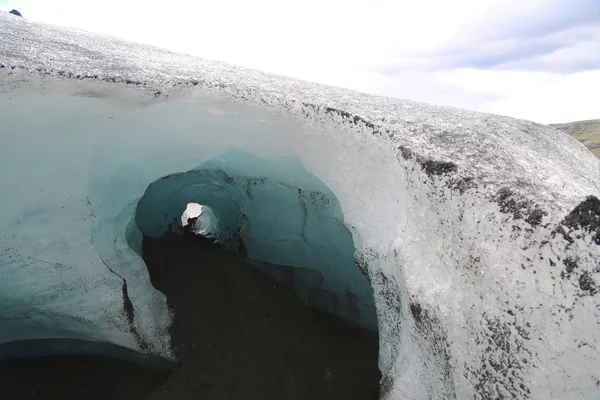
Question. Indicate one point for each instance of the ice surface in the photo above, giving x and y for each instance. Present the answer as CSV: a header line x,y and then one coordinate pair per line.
x,y
479,233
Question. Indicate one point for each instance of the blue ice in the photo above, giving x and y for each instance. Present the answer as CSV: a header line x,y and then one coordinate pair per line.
x,y
80,185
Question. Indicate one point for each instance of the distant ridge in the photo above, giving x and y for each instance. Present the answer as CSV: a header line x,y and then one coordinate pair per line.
x,y
587,132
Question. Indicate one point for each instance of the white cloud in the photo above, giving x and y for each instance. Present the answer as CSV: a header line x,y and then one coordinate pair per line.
x,y
531,59
539,96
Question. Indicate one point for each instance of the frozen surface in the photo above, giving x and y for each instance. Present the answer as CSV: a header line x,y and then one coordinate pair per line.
x,y
480,234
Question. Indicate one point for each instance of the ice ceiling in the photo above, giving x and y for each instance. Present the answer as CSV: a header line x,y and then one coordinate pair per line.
x,y
479,234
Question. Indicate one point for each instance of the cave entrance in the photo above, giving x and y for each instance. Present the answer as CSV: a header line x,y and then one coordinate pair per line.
x,y
239,333
260,276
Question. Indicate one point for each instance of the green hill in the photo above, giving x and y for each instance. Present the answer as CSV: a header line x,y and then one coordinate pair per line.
x,y
587,132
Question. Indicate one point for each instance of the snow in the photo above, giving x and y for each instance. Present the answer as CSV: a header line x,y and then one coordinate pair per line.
x,y
484,269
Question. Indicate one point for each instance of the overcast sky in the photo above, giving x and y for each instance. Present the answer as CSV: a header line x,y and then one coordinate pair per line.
x,y
532,59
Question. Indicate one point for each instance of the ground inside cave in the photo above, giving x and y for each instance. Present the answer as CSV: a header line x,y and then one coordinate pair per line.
x,y
237,333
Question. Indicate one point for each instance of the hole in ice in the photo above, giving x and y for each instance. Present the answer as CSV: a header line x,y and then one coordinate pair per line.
x,y
200,220
277,216
260,275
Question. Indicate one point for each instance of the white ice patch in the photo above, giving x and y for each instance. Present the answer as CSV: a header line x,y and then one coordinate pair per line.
x,y
207,224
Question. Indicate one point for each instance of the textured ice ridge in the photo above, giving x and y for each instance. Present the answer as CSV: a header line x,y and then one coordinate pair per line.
x,y
480,234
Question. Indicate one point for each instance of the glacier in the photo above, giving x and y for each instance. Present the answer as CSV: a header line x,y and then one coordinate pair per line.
x,y
470,241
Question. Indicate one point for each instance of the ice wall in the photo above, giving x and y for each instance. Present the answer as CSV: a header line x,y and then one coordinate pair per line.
x,y
479,233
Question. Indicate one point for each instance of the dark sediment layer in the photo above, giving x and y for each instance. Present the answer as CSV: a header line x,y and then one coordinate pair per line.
x,y
237,333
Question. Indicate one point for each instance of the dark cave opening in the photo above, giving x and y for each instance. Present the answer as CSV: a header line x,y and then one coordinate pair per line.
x,y
239,333
285,221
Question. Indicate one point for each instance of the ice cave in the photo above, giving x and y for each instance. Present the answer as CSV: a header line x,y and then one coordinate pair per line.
x,y
470,242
